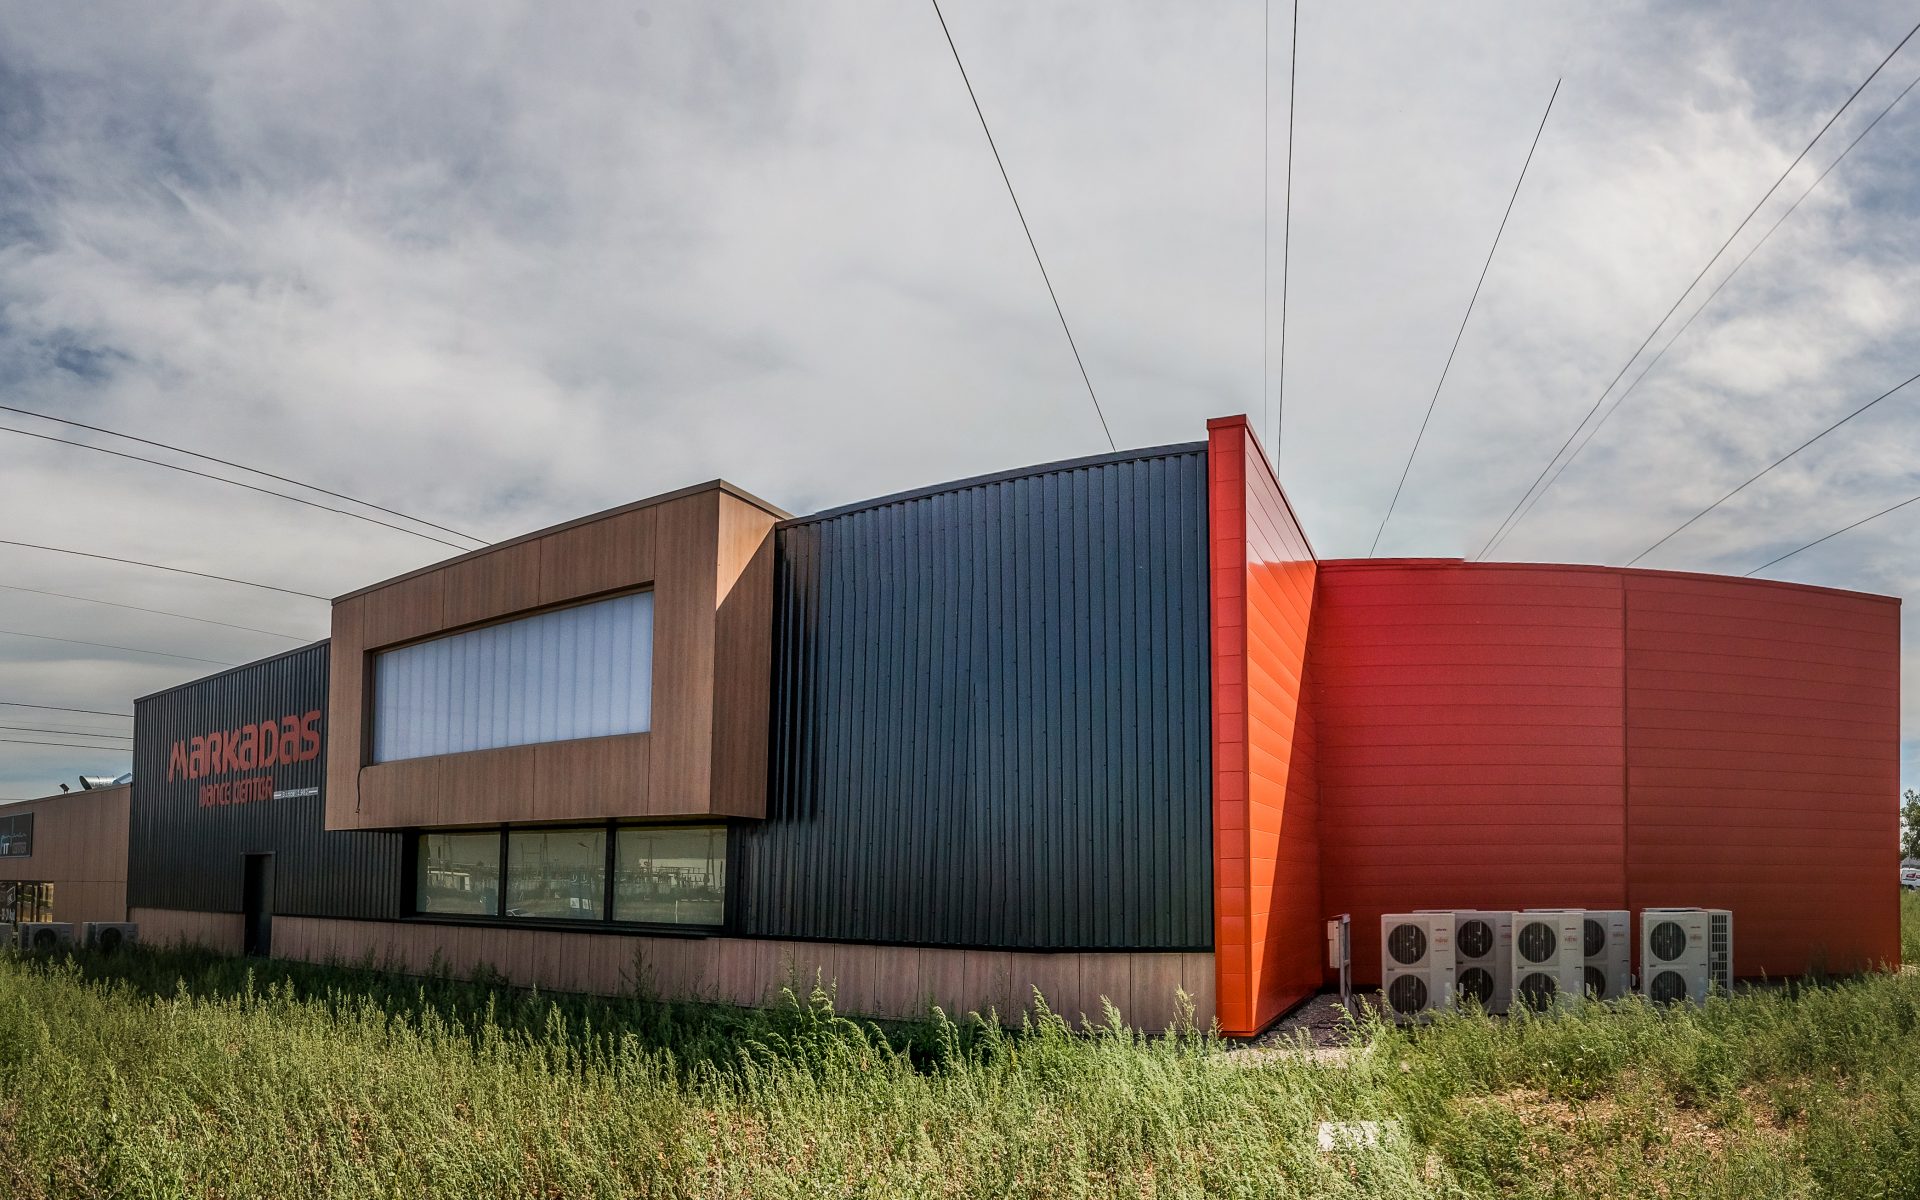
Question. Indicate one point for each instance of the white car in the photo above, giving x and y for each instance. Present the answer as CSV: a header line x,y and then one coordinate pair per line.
x,y
1910,878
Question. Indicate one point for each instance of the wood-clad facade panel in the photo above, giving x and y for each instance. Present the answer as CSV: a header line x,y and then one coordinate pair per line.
x,y
705,553
79,845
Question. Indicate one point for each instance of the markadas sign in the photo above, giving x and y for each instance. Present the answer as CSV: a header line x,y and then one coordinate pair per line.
x,y
248,748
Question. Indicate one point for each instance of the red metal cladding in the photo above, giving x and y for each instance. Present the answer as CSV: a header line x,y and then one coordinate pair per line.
x,y
1471,740
1763,732
1509,736
1267,901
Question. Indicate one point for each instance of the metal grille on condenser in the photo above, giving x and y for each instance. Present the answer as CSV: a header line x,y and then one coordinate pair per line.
x,y
1407,944
1476,983
1475,939
1538,990
1596,982
1667,987
1596,938
1537,941
1668,941
1407,994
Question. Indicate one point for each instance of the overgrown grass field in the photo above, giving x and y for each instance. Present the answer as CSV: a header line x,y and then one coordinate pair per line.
x,y
183,1074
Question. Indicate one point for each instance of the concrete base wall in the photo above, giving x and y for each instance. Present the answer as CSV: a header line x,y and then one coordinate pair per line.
x,y
877,981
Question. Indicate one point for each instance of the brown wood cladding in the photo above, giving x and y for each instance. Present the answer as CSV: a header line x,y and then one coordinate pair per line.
x,y
707,555
80,847
878,981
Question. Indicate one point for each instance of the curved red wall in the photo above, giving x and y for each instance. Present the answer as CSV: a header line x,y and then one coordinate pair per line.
x,y
1506,736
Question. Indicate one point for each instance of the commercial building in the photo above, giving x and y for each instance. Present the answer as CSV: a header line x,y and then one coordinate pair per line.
x,y
1106,728
64,857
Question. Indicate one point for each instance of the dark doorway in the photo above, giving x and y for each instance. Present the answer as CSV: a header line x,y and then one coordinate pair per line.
x,y
257,940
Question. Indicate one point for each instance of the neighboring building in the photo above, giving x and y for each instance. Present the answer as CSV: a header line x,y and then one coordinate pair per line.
x,y
64,857
1104,727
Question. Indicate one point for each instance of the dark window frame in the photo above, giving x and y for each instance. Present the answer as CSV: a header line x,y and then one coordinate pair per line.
x,y
604,923
16,829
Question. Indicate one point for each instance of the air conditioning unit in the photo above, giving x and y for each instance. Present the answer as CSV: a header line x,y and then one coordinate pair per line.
x,y
1483,957
1416,962
1549,960
109,936
45,935
1608,945
1685,953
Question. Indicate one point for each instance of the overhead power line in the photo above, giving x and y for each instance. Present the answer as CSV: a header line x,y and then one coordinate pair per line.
x,y
312,487
94,712
1464,318
1025,228
67,745
1770,466
1704,305
1685,292
1836,533
92,733
46,437
159,612
267,587
41,637
1286,238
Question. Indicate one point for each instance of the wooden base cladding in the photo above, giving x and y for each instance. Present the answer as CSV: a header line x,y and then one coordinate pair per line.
x,y
877,981
175,927
706,554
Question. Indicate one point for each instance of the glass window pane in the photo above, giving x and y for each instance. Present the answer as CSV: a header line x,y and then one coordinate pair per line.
x,y
671,876
459,873
578,672
557,873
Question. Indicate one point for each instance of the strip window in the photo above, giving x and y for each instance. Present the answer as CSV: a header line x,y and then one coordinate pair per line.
x,y
671,876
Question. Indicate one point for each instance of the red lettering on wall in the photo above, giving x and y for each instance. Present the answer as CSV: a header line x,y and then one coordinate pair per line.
x,y
250,747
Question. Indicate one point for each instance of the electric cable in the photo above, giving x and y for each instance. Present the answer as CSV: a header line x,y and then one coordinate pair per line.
x,y
159,612
41,637
1836,533
60,708
92,733
66,745
95,712
47,437
312,487
1678,301
1286,238
1688,324
1019,212
1770,466
267,587
1464,318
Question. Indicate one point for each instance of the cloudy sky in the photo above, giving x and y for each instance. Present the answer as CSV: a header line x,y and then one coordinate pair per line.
x,y
501,265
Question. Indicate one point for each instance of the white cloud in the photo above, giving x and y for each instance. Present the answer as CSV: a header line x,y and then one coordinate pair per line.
x,y
502,264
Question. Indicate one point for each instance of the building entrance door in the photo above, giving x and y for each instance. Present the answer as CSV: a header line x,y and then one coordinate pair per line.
x,y
257,937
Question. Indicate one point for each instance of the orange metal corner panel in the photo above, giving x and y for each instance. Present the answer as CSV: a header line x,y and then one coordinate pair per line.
x,y
1266,831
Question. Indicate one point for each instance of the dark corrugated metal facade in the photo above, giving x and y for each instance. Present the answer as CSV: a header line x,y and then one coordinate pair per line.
x,y
990,716
188,855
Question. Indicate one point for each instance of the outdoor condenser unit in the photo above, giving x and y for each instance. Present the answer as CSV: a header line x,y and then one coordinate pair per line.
x,y
1685,953
1549,963
1416,962
45,935
1608,945
1483,957
109,936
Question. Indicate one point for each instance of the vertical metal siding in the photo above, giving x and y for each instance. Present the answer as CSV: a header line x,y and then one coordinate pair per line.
x,y
990,716
183,856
